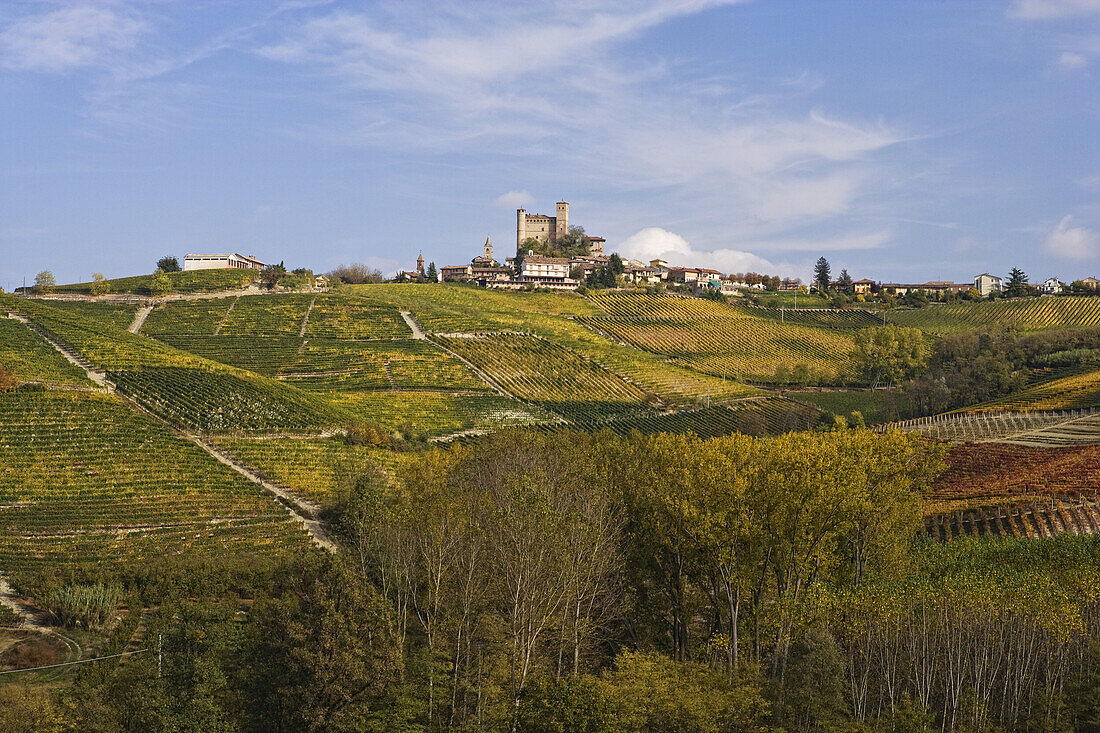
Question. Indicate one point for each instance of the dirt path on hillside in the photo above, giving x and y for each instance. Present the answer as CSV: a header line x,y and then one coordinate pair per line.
x,y
305,321
8,599
139,318
97,376
418,333
304,510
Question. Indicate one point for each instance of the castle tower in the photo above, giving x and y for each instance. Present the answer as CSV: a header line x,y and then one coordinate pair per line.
x,y
487,250
561,223
420,264
521,227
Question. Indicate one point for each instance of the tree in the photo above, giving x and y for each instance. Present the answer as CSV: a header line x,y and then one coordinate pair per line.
x,y
844,282
168,263
889,354
1017,286
821,274
615,264
433,274
160,284
322,648
99,284
44,282
355,274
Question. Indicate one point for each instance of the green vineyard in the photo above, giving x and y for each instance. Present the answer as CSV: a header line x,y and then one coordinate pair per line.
x,y
191,281
751,417
196,399
1024,314
86,481
31,359
535,369
1067,393
116,314
436,414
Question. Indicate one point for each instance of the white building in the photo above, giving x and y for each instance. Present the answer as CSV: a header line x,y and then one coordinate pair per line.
x,y
221,262
546,272
1053,286
986,284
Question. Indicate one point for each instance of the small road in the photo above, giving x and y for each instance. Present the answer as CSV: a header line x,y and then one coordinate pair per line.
x,y
139,318
31,620
418,333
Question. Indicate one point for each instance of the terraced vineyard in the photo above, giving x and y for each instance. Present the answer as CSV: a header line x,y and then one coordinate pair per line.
x,y
313,468
752,417
197,399
85,480
1051,428
349,317
187,317
264,315
191,281
116,314
647,305
540,371
1024,314
31,359
1032,521
982,474
820,317
435,414
1079,391
741,348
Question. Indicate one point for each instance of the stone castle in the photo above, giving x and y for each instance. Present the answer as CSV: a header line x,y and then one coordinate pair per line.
x,y
549,229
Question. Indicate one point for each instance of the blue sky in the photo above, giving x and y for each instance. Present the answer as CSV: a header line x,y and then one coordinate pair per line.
x,y
902,140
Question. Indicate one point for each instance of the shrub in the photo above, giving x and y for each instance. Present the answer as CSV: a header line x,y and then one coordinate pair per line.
x,y
160,285
88,606
44,282
99,285
369,434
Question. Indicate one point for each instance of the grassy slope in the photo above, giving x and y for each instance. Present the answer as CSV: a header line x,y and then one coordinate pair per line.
x,y
194,281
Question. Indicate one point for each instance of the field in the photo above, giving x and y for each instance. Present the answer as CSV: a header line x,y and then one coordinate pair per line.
x,y
193,281
874,406
1024,314
85,480
751,416
31,359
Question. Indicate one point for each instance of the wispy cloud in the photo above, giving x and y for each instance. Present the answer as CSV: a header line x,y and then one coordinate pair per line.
x,y
514,200
1071,60
68,38
1052,9
657,243
1075,243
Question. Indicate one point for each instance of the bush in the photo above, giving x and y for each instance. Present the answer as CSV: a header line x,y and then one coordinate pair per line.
x,y
356,273
99,285
89,606
369,434
168,263
160,285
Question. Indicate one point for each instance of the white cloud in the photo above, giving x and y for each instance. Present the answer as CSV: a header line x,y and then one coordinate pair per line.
x,y
67,38
1075,243
514,200
1052,9
657,243
1069,60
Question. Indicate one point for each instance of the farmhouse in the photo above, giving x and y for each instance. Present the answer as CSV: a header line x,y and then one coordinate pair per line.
x,y
986,284
863,287
1091,283
221,262
1052,286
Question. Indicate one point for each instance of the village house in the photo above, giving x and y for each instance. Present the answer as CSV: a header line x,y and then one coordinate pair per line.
x,y
221,262
863,287
1052,286
932,286
1091,283
986,284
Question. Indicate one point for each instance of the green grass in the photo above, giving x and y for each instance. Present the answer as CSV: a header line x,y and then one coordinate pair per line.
x,y
32,359
1023,314
193,281
85,481
872,405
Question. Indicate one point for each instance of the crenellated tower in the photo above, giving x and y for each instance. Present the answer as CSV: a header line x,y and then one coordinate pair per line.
x,y
561,227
